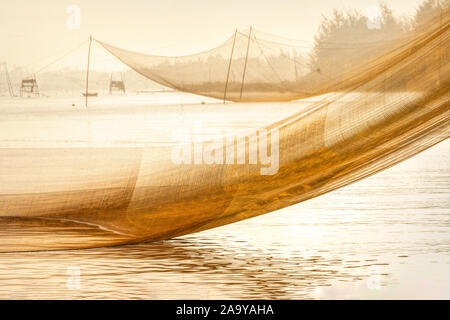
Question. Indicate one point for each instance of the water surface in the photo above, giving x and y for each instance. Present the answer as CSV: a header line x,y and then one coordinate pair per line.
x,y
387,236
384,237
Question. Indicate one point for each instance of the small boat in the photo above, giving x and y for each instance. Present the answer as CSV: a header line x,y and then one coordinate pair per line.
x,y
90,94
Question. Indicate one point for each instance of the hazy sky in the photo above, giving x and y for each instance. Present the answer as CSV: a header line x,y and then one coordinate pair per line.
x,y
35,32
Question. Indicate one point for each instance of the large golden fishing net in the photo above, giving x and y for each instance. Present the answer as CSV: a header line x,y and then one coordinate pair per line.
x,y
108,183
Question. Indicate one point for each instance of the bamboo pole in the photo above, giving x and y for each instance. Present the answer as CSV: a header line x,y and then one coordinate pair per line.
x,y
295,65
87,70
8,80
245,65
229,67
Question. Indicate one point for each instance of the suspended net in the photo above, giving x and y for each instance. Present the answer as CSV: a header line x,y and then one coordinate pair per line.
x,y
243,68
252,66
257,66
106,179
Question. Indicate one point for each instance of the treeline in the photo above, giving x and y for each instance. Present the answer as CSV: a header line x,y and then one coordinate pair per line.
x,y
350,38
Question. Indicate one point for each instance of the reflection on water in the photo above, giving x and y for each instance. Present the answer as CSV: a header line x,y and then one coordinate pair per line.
x,y
385,237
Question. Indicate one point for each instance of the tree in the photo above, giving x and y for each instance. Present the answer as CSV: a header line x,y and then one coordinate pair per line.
x,y
347,39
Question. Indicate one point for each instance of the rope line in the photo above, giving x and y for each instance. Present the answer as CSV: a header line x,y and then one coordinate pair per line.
x,y
61,57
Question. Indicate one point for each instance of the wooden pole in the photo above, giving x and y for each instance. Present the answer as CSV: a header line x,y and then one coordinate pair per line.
x,y
8,80
229,67
87,70
295,65
35,84
110,84
245,65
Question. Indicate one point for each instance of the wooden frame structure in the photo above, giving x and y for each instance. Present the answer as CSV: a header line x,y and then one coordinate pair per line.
x,y
29,86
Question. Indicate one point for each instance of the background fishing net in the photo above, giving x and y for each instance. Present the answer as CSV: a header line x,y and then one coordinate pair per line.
x,y
256,66
243,68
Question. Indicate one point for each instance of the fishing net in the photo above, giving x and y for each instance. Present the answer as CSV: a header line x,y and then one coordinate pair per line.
x,y
110,178
256,66
245,67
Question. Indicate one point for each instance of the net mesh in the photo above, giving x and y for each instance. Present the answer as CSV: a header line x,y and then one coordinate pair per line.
x,y
126,183
256,66
243,68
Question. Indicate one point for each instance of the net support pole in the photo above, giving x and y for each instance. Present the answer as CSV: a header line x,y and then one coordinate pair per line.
x,y
87,70
245,64
229,67
8,79
295,65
